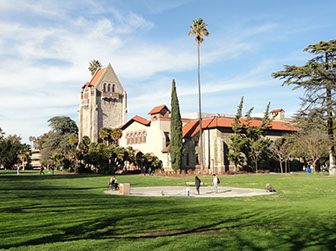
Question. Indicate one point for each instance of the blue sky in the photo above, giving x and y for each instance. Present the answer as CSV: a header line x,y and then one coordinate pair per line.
x,y
46,46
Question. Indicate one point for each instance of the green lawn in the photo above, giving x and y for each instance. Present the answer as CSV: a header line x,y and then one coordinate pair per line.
x,y
71,212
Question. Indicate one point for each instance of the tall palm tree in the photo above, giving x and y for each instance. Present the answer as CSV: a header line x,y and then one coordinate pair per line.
x,y
94,65
199,29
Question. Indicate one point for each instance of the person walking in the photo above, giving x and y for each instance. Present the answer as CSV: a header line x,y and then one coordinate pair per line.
x,y
18,170
41,170
197,184
215,182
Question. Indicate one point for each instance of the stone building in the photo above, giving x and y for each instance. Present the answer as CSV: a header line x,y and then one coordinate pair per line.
x,y
103,103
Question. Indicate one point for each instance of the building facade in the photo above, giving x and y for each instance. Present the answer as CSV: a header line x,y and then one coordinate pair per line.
x,y
103,103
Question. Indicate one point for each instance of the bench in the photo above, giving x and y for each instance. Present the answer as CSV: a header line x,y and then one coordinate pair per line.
x,y
193,183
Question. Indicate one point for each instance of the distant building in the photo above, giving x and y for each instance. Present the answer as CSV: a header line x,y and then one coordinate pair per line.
x,y
103,103
153,136
35,158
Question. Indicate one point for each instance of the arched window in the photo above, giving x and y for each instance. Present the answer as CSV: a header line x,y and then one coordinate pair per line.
x,y
104,87
144,136
128,139
140,137
132,139
135,138
109,87
113,88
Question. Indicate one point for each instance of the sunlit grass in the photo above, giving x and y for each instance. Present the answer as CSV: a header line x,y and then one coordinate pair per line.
x,y
71,212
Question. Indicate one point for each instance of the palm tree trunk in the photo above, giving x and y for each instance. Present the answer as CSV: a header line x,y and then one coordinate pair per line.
x,y
200,110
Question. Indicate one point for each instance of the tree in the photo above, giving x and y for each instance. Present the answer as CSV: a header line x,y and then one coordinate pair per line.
x,y
248,143
58,159
9,148
199,29
176,144
279,150
24,154
318,78
115,135
73,140
57,140
105,134
311,144
94,65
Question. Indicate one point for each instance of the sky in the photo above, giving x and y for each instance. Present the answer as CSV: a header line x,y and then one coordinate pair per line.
x,y
46,47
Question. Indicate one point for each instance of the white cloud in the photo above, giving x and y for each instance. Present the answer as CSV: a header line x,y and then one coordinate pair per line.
x,y
42,67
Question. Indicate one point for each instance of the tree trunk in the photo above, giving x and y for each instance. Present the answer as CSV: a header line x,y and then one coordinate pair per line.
x,y
332,161
286,166
281,166
200,110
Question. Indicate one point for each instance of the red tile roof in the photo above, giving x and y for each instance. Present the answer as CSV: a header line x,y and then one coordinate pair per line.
x,y
277,110
192,128
137,119
158,109
95,78
165,150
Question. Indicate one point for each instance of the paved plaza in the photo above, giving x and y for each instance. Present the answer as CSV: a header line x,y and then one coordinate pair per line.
x,y
184,191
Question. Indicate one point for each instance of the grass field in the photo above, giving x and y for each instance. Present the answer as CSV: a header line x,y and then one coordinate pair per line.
x,y
71,212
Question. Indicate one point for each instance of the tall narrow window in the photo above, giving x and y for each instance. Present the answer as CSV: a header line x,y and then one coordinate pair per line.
x,y
144,137
132,139
128,139
135,138
104,87
113,88
109,88
140,137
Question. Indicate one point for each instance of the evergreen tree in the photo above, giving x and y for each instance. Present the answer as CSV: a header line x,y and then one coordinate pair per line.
x,y
318,78
248,143
176,144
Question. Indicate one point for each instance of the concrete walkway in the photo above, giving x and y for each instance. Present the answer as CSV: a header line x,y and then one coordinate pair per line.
x,y
182,191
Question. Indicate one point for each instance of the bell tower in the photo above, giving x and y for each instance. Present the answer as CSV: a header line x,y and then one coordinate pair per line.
x,y
103,103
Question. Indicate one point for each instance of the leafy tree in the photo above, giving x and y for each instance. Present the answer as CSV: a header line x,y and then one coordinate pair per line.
x,y
58,159
94,65
318,78
176,144
24,154
1,134
63,125
249,144
73,140
9,148
199,29
57,140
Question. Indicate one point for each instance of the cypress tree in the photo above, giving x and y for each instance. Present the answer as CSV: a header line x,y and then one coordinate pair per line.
x,y
176,144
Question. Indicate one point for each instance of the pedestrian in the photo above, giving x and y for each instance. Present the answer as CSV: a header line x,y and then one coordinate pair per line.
x,y
41,170
215,182
18,170
197,184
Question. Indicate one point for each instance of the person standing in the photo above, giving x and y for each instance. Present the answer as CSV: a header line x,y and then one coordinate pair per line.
x,y
18,170
215,182
197,184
